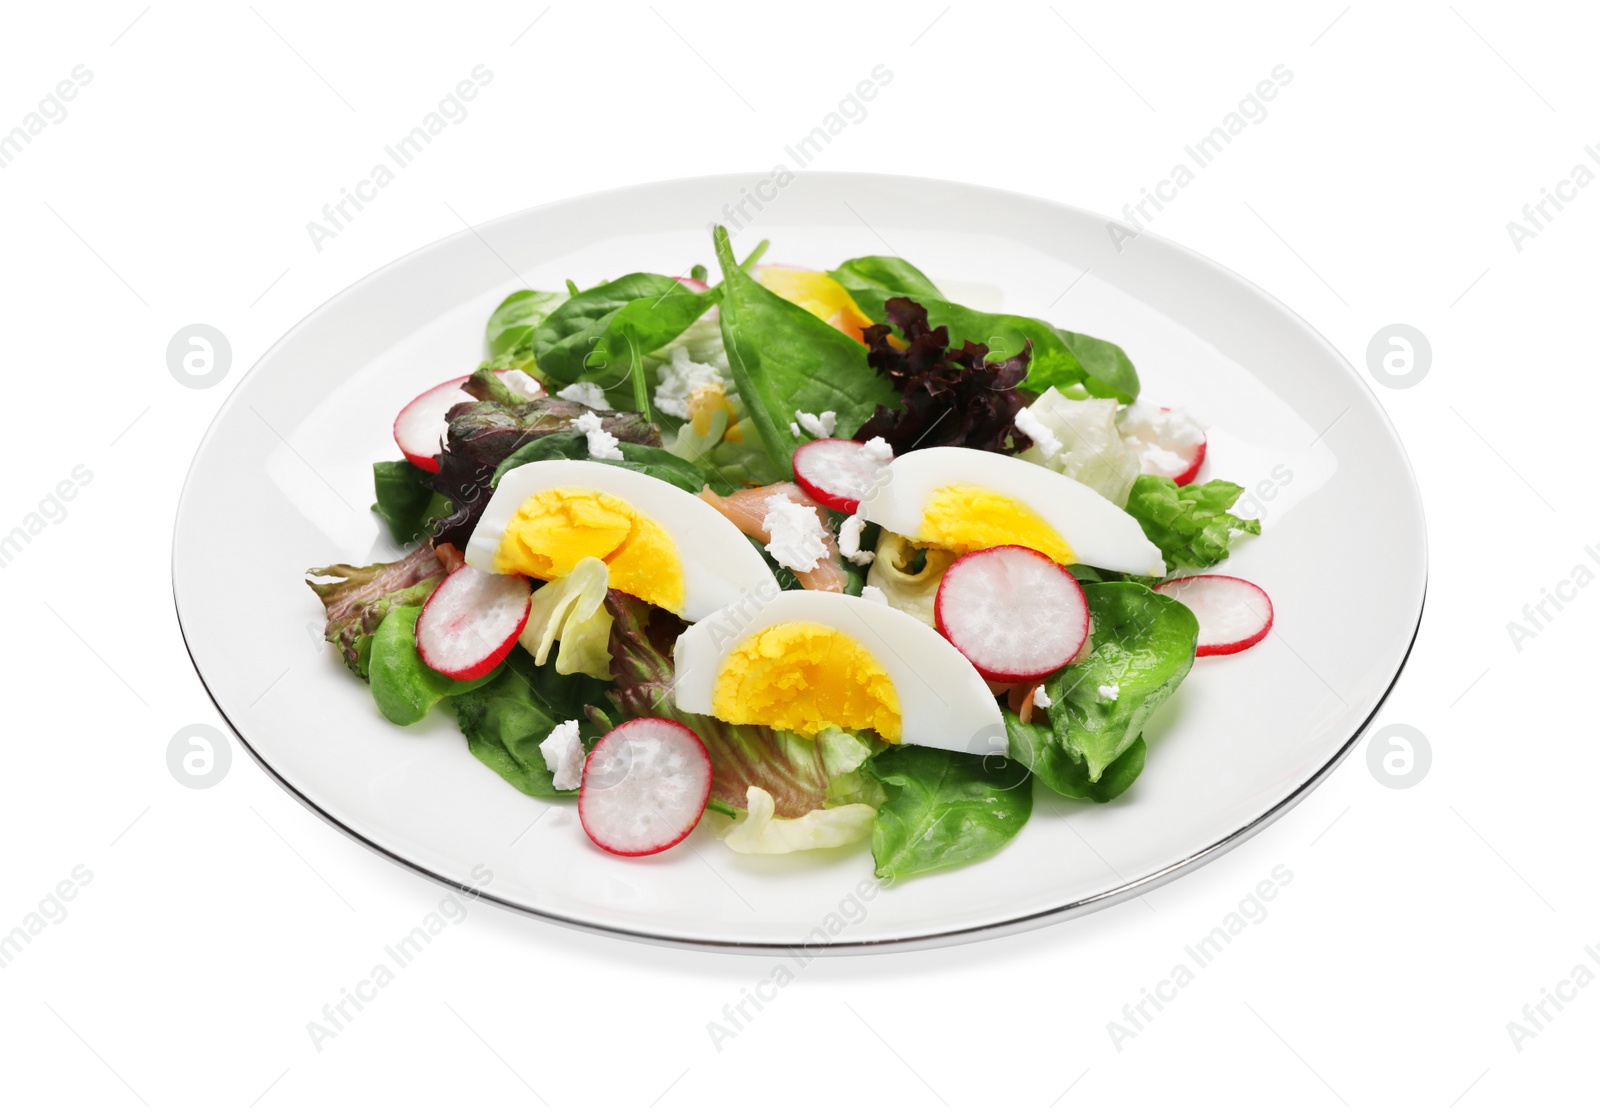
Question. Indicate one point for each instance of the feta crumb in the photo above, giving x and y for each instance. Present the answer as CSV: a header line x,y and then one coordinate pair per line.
x,y
563,754
1109,692
521,383
817,425
850,541
797,536
589,394
680,376
794,428
1044,440
873,593
602,446
1041,699
879,450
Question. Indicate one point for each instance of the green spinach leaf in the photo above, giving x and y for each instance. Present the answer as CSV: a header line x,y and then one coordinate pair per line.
x,y
404,499
1034,746
1191,524
506,720
509,334
404,687
601,333
1143,646
945,808
873,280
651,460
785,359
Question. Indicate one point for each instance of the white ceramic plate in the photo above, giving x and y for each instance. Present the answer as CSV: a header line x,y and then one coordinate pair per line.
x,y
282,482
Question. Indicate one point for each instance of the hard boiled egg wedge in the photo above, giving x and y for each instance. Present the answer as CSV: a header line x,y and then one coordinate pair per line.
x,y
659,543
801,661
966,499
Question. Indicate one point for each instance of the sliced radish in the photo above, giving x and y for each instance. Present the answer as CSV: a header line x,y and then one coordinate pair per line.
x,y
837,472
472,621
1234,614
645,786
696,285
1013,612
421,426
1167,441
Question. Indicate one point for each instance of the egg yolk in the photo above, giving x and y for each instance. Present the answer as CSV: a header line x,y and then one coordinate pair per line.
x,y
555,529
965,517
819,294
803,677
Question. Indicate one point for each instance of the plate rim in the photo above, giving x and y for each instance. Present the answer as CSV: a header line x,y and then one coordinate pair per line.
x,y
901,943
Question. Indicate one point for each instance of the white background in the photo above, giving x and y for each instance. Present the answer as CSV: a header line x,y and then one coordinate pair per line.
x,y
1377,190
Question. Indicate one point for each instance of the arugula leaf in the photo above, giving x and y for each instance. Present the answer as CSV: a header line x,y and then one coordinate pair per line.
x,y
1191,524
950,808
599,334
506,720
404,687
405,499
509,334
357,598
1143,643
1061,358
649,459
1034,746
785,359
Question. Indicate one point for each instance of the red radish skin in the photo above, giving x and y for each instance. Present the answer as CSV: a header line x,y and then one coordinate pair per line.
x,y
696,285
645,787
472,620
1014,613
836,472
1185,439
421,425
1234,614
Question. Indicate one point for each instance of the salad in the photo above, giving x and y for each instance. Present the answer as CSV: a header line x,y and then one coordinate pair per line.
x,y
820,554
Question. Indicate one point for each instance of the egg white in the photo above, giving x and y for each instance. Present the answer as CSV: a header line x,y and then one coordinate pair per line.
x,y
720,565
944,703
1100,533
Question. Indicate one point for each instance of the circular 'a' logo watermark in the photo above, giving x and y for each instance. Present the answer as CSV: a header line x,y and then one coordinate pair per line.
x,y
199,756
199,356
1398,756
1399,356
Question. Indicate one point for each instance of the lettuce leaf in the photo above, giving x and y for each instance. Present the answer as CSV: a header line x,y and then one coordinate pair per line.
x,y
506,720
1092,449
784,358
509,334
572,610
945,808
762,832
894,572
404,687
357,598
1191,524
1144,644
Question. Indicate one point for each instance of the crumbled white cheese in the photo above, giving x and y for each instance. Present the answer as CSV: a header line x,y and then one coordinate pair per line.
x,y
680,376
522,384
879,450
602,445
1109,692
798,538
874,593
1043,438
589,394
794,428
563,754
850,541
1041,699
1162,462
817,425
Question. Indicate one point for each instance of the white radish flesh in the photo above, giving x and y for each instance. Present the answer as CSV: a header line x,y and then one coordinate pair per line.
x,y
472,621
837,472
421,426
645,787
1013,612
1234,614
